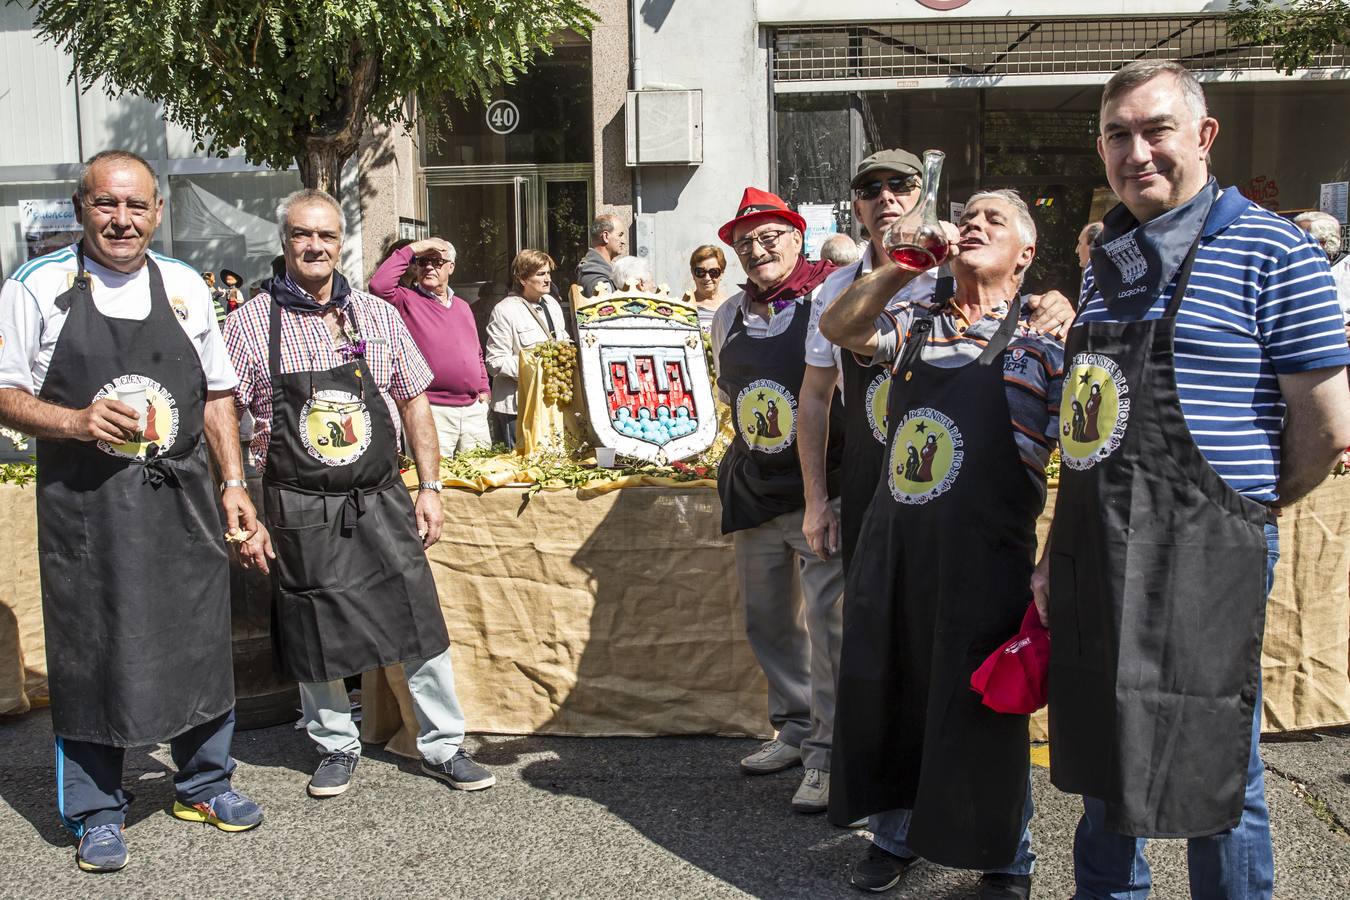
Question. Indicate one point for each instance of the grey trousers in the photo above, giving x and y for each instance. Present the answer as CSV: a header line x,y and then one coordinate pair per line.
x,y
794,621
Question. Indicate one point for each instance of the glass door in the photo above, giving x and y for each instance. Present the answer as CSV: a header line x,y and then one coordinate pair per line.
x,y
487,222
566,216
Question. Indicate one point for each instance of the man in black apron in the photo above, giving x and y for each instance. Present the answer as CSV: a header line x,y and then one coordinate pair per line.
x,y
791,596
326,372
1205,323
935,583
127,388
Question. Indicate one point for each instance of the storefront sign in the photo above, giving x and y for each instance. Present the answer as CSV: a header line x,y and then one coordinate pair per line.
x,y
1333,200
503,116
48,225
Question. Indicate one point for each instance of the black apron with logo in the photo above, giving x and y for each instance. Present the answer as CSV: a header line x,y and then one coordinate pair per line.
x,y
866,396
940,579
135,575
353,587
760,477
1157,594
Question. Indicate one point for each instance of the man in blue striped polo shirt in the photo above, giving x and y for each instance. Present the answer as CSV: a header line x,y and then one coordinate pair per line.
x,y
1204,386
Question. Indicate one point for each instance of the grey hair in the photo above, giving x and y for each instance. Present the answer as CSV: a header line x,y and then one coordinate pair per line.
x,y
304,197
110,156
1324,228
1094,231
839,249
452,252
1026,226
1136,73
630,269
602,223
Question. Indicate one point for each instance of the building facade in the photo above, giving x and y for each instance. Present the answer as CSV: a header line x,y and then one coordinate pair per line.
x,y
793,93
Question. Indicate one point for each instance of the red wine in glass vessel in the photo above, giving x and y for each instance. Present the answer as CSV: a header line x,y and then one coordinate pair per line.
x,y
916,240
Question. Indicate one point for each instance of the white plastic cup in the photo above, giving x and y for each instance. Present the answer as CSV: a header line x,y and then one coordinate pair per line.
x,y
604,457
133,395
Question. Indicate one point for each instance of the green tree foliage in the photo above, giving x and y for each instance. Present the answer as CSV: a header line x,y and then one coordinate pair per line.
x,y
1302,28
298,82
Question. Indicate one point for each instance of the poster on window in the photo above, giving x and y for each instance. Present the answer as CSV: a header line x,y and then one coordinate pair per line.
x,y
820,224
47,225
1334,198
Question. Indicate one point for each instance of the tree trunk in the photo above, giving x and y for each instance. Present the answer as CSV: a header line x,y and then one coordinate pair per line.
x,y
321,165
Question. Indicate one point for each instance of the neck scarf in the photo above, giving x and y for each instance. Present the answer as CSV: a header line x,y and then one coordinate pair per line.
x,y
805,277
1132,263
292,296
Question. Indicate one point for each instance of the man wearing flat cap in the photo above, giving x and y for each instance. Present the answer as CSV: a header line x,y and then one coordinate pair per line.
x,y
759,339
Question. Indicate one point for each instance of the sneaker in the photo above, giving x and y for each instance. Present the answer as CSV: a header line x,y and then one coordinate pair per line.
x,y
228,811
814,794
773,756
102,849
880,870
1001,886
461,773
334,775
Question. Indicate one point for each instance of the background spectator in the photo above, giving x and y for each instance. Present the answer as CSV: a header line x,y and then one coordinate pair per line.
x,y
609,241
707,264
1086,238
839,249
1326,230
527,317
633,271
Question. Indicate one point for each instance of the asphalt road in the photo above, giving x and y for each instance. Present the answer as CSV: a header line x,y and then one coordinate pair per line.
x,y
569,817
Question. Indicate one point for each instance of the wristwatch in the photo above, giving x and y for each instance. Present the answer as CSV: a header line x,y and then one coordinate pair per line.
x,y
429,486
233,482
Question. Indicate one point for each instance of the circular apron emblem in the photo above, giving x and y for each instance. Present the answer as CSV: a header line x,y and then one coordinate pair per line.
x,y
180,308
335,427
766,416
155,405
878,395
925,456
1093,411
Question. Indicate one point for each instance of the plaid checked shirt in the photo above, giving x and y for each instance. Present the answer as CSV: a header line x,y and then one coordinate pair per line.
x,y
399,370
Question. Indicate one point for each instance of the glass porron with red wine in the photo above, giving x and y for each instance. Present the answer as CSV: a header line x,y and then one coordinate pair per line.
x,y
916,240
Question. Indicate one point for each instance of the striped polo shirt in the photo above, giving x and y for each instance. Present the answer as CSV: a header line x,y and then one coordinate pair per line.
x,y
1261,303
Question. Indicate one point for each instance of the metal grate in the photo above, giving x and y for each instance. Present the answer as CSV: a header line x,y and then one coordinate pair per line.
x,y
975,48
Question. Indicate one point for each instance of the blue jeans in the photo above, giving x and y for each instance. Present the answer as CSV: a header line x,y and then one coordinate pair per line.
x,y
431,682
1233,865
891,829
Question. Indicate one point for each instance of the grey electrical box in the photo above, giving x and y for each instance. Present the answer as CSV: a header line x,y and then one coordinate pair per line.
x,y
665,128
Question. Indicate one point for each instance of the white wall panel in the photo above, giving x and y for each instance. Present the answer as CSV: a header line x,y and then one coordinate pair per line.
x,y
37,105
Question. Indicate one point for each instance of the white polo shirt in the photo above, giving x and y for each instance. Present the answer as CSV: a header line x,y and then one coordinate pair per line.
x,y
30,321
819,351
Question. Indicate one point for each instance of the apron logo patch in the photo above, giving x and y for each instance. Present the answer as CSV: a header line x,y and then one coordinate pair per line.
x,y
335,427
180,308
766,416
1093,412
155,405
926,456
1129,259
878,395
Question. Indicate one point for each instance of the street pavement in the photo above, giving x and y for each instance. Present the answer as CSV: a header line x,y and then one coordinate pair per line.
x,y
569,817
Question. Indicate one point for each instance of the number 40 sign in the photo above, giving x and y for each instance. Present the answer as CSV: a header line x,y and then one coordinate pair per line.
x,y
503,117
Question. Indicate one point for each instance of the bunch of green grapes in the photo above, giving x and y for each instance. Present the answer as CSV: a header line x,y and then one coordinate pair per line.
x,y
559,362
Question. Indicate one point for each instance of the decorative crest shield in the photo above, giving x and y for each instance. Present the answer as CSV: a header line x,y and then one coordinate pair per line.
x,y
644,374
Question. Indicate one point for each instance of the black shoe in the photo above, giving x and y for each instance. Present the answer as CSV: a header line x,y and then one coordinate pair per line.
x,y
1001,886
880,870
461,773
334,775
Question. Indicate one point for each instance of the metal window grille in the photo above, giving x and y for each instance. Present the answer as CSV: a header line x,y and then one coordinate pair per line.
x,y
997,47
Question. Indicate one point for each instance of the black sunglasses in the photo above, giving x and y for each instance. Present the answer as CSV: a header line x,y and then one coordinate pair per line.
x,y
701,272
896,184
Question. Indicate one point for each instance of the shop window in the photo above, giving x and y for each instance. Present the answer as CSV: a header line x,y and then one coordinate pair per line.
x,y
545,117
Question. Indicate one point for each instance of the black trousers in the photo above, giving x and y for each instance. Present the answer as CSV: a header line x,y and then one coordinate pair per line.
x,y
89,788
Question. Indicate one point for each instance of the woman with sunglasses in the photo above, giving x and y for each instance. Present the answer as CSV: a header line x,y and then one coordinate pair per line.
x,y
706,265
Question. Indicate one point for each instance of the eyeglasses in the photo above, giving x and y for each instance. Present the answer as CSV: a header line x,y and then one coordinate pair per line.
x,y
896,184
700,272
430,262
767,239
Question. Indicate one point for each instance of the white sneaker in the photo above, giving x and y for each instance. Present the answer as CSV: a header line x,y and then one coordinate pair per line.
x,y
814,794
773,756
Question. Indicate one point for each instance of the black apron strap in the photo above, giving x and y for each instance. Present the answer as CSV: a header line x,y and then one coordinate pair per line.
x,y
1183,278
999,342
274,341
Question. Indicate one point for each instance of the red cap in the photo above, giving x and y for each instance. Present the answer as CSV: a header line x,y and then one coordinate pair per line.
x,y
756,206
1013,678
